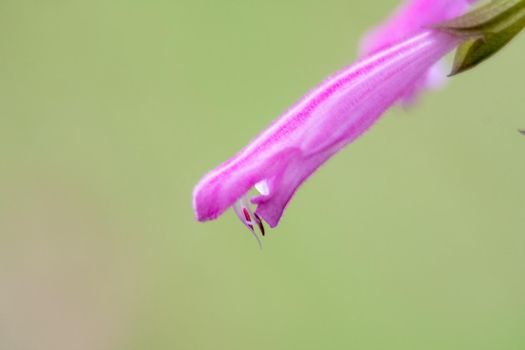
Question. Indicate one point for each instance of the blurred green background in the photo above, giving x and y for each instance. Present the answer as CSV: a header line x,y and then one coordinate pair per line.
x,y
112,110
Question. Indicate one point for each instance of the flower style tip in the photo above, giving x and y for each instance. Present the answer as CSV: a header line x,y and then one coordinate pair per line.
x,y
328,118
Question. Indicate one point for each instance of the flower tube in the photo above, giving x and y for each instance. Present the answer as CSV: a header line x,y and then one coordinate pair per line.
x,y
328,118
410,18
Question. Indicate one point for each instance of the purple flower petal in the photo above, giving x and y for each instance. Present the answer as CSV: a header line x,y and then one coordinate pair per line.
x,y
412,17
328,118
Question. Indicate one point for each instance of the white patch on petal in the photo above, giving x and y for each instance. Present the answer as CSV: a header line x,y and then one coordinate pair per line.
x,y
263,187
437,76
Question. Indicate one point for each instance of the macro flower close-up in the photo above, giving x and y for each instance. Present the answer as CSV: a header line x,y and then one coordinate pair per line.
x,y
263,174
399,59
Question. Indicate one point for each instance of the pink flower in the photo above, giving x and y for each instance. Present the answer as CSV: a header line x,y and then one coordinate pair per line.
x,y
328,118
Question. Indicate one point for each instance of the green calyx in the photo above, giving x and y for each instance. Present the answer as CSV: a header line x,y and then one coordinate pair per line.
x,y
486,30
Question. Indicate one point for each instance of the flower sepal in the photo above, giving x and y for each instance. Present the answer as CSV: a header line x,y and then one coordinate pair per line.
x,y
487,29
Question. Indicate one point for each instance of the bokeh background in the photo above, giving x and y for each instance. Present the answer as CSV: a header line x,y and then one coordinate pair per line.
x,y
111,111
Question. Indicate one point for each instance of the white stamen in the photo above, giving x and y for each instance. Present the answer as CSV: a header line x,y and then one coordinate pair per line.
x,y
238,208
257,238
